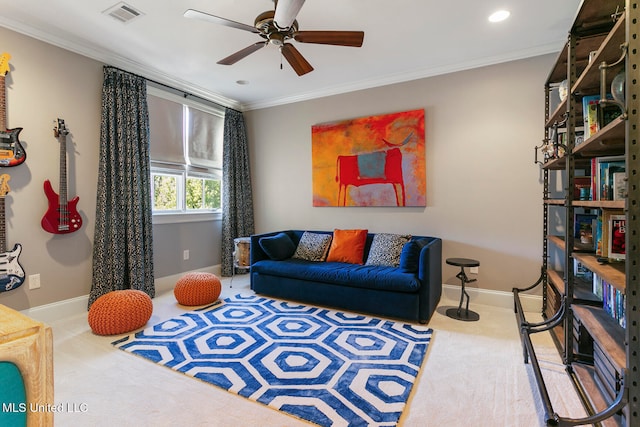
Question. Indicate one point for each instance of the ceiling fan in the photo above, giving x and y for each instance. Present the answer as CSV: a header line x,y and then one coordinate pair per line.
x,y
277,27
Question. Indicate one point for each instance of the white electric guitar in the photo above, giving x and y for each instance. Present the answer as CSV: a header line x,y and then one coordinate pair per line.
x,y
11,272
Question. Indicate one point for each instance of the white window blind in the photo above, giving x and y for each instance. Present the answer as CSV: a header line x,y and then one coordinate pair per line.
x,y
166,130
205,133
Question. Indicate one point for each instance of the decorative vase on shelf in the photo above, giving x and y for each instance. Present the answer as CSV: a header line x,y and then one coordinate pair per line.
x,y
617,87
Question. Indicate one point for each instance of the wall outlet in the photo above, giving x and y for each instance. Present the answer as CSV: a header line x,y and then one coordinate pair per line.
x,y
34,281
185,254
473,270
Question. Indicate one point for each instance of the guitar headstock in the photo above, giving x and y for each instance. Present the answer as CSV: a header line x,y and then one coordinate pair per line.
x,y
4,184
4,63
61,130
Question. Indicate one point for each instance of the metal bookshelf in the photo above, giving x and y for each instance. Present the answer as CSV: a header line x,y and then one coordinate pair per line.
x,y
600,356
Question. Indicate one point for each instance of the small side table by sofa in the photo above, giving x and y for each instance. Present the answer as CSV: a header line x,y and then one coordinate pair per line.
x,y
457,313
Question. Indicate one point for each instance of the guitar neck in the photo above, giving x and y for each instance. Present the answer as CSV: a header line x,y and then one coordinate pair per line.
x,y
3,240
3,108
63,169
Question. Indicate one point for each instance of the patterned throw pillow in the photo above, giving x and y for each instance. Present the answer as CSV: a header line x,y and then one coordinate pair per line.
x,y
313,246
386,249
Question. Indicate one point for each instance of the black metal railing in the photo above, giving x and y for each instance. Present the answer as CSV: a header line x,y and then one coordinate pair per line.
x,y
526,329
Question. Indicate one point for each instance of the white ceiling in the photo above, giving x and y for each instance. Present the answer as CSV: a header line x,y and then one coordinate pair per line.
x,y
404,40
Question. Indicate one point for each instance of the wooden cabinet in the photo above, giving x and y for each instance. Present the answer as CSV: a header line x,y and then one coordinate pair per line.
x,y
598,343
28,344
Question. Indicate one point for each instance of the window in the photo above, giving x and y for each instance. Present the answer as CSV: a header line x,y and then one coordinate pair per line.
x,y
166,191
186,155
203,193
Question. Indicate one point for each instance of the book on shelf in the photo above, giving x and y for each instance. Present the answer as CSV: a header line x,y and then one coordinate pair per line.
x,y
608,113
594,189
597,286
604,236
617,227
581,271
562,135
613,300
604,170
596,115
582,188
579,135
590,114
598,234
583,230
619,185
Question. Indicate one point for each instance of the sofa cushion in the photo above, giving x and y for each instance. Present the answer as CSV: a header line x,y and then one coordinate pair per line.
x,y
313,246
347,246
339,273
410,255
386,249
278,247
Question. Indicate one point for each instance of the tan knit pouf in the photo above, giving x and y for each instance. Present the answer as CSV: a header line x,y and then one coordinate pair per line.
x,y
197,288
119,312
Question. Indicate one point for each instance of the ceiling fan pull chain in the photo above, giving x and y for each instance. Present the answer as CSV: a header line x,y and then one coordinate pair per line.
x,y
280,57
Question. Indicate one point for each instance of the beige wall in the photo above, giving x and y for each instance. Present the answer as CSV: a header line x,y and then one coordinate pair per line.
x,y
483,189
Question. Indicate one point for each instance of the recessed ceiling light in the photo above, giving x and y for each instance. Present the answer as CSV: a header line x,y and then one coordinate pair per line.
x,y
499,16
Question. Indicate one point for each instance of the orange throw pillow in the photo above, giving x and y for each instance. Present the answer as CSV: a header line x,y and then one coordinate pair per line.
x,y
347,246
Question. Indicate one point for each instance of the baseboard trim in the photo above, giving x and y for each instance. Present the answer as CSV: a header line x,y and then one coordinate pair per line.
x,y
48,313
530,303
77,306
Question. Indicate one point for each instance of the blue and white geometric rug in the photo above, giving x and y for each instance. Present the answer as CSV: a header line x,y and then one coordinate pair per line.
x,y
329,367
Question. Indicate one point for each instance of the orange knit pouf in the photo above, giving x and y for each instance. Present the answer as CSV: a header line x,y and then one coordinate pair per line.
x,y
197,288
119,312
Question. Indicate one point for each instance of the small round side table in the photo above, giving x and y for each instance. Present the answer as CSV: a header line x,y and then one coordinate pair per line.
x,y
457,313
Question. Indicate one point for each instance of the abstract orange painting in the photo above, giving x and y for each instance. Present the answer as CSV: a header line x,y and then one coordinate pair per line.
x,y
370,161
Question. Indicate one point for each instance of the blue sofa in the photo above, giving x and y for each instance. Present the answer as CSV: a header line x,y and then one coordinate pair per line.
x,y
410,291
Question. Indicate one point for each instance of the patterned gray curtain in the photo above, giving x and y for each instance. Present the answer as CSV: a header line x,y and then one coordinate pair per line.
x,y
123,245
237,199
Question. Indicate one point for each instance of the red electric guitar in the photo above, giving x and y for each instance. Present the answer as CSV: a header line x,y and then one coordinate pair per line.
x,y
62,216
11,151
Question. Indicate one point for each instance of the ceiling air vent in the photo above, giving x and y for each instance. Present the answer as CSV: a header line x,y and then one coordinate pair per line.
x,y
123,12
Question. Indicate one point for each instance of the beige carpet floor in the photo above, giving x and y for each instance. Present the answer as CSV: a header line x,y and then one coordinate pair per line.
x,y
473,375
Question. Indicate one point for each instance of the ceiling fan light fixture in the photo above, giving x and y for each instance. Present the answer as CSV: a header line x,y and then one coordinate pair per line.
x,y
276,39
499,16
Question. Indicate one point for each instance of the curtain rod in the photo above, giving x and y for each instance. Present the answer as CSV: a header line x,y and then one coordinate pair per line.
x,y
184,93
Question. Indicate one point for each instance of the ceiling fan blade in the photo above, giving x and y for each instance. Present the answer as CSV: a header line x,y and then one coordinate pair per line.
x,y
337,38
196,14
235,57
295,59
286,12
